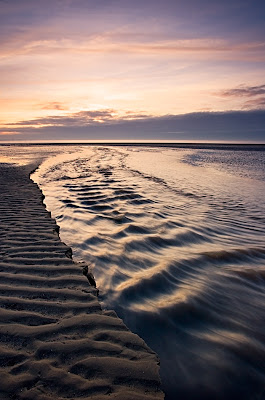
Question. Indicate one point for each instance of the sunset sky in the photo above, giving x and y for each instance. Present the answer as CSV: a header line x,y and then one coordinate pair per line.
x,y
106,69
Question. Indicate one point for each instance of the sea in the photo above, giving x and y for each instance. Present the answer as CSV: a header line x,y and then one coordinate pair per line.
x,y
175,237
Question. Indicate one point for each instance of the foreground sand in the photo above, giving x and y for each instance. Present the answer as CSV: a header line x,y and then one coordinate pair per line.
x,y
55,340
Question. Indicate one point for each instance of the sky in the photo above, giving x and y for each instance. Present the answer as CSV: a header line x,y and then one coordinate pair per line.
x,y
119,69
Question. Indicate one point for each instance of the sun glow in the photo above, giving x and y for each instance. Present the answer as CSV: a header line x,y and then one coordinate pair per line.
x,y
94,58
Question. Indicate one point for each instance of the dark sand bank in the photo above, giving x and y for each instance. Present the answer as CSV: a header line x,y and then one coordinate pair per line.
x,y
55,340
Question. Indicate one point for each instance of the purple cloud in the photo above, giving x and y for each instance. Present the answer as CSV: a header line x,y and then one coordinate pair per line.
x,y
258,103
245,91
81,118
233,125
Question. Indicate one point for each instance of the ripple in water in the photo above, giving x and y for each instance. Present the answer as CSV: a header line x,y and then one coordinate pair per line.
x,y
176,238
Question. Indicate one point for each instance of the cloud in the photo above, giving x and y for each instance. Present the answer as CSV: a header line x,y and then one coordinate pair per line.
x,y
114,43
7,133
251,96
82,118
53,106
243,91
105,125
258,103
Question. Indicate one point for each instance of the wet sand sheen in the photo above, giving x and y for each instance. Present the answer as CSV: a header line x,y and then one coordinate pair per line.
x,y
55,340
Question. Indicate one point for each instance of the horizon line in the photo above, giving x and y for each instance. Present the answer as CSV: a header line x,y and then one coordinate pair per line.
x,y
131,142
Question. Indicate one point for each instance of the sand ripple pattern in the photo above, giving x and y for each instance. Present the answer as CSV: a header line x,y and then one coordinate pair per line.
x,y
55,340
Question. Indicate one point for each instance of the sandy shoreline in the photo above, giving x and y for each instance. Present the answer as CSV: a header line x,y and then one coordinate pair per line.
x,y
55,340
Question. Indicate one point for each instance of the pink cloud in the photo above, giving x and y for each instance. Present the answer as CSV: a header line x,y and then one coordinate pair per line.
x,y
53,106
9,133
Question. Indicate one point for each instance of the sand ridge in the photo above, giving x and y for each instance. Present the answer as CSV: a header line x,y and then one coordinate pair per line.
x,y
55,340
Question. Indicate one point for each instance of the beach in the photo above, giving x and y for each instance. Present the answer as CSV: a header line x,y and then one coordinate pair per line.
x,y
124,265
56,341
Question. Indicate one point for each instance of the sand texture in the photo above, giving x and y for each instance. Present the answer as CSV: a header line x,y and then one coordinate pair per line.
x,y
55,340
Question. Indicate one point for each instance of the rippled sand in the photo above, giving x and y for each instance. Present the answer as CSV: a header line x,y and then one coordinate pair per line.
x,y
56,342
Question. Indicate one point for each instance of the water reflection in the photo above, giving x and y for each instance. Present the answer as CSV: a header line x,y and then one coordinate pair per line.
x,y
178,252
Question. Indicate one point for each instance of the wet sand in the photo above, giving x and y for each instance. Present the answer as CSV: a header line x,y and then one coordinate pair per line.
x,y
55,340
